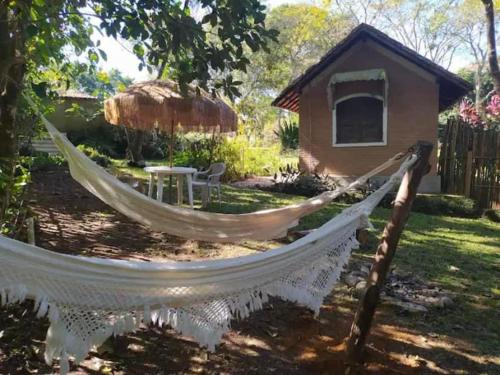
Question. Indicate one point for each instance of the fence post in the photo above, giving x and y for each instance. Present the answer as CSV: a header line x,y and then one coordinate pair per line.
x,y
468,174
468,163
385,252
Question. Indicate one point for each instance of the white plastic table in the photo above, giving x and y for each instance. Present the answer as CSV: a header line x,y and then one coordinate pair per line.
x,y
179,172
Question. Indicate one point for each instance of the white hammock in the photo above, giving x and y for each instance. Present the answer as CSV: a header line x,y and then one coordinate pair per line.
x,y
88,299
187,223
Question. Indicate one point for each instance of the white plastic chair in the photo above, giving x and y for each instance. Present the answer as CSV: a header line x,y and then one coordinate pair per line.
x,y
209,180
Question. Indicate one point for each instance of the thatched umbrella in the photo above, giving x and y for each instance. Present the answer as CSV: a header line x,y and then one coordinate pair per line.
x,y
160,105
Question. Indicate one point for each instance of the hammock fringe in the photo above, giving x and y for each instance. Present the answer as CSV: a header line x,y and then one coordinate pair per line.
x,y
63,343
88,300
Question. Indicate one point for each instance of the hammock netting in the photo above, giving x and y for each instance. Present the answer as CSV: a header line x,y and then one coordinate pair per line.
x,y
188,223
88,300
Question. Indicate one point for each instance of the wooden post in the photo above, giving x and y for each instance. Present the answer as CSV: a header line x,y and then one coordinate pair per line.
x,y
468,174
385,252
30,225
171,149
171,161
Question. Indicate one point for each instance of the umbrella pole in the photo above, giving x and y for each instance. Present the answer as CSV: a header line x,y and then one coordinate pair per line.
x,y
171,150
171,160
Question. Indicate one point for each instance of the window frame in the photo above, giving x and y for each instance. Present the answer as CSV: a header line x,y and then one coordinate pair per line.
x,y
361,144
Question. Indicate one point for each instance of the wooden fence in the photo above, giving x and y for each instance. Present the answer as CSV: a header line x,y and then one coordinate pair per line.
x,y
469,163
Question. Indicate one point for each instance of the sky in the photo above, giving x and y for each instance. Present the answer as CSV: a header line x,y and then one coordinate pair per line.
x,y
120,57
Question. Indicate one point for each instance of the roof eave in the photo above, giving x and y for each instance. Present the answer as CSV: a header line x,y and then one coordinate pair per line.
x,y
295,87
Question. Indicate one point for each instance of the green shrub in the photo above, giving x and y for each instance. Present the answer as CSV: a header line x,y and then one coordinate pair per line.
x,y
14,176
112,141
42,160
240,157
243,160
107,139
493,215
440,204
156,145
95,155
291,180
288,133
196,150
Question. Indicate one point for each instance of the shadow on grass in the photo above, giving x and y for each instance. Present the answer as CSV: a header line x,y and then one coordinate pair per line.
x,y
283,338
461,256
73,221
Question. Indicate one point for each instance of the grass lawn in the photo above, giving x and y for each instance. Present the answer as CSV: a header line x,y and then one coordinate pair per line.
x,y
460,255
120,165
432,248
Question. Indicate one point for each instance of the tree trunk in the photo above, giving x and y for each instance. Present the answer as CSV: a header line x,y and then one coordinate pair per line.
x,y
492,48
8,140
8,101
478,86
8,107
12,71
134,150
8,90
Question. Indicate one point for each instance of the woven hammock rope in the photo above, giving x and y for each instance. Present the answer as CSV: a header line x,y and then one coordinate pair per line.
x,y
187,223
88,300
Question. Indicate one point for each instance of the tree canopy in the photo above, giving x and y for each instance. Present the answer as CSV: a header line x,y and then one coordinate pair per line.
x,y
203,41
306,32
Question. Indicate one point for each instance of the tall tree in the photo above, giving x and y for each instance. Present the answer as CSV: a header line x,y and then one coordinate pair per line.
x,y
470,22
423,25
102,83
361,11
306,32
492,47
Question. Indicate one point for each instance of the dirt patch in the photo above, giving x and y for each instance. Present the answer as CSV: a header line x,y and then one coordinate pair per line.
x,y
281,339
71,220
254,182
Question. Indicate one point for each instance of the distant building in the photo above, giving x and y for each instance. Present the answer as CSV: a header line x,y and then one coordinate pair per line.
x,y
67,121
368,98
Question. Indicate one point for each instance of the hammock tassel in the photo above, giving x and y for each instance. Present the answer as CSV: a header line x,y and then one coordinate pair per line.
x,y
129,323
43,308
53,313
208,294
365,223
3,297
64,363
147,315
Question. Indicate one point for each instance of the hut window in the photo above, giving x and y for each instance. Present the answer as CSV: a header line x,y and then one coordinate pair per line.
x,y
359,120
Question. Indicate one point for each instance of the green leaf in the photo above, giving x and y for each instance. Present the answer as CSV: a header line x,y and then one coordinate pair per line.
x,y
103,54
93,57
40,89
138,50
32,30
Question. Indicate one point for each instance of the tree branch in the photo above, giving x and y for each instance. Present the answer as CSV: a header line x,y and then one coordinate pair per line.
x,y
492,48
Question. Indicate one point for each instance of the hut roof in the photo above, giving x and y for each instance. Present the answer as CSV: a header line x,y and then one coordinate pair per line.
x,y
451,86
160,103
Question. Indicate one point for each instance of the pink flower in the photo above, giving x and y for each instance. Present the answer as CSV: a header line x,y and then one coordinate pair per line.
x,y
469,114
493,107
